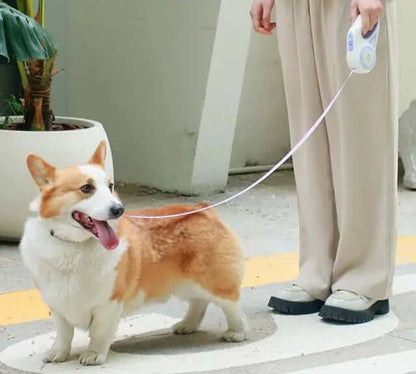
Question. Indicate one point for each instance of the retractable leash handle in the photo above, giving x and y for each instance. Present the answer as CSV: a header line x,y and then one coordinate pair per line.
x,y
361,50
361,59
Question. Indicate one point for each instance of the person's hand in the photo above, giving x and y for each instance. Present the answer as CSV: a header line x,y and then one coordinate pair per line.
x,y
260,13
370,10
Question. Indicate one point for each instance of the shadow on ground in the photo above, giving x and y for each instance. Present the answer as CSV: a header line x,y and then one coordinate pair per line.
x,y
164,342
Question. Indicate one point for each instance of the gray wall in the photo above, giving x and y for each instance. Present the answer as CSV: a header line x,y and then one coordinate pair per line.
x,y
407,55
141,69
262,133
153,110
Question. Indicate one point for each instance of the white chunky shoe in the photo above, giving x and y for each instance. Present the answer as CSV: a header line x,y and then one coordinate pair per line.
x,y
294,300
350,307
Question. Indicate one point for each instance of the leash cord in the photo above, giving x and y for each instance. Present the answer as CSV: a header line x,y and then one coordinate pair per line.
x,y
265,176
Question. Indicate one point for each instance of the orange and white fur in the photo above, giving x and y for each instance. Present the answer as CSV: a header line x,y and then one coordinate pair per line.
x,y
93,265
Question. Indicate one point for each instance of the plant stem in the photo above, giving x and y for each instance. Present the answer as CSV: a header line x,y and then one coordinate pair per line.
x,y
26,7
21,6
42,12
29,8
22,72
36,79
47,71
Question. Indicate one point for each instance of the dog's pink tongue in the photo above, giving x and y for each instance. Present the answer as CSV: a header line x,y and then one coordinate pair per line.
x,y
106,234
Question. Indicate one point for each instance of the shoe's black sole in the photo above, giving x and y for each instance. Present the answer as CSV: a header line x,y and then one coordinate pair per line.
x,y
332,313
294,307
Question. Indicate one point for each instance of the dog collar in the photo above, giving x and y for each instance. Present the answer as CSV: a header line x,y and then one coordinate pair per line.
x,y
56,236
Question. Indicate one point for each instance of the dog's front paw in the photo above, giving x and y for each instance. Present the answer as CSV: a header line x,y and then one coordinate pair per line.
x,y
89,358
234,336
183,328
55,355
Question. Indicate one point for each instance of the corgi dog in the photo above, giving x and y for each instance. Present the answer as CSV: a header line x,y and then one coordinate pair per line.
x,y
93,264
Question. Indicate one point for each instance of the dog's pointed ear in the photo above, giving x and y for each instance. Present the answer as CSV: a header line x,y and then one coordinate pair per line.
x,y
98,158
42,173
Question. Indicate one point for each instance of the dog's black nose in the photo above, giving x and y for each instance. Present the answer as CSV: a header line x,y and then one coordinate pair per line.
x,y
117,210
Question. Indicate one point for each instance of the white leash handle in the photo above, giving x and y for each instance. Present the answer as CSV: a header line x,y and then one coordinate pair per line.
x,y
270,172
361,50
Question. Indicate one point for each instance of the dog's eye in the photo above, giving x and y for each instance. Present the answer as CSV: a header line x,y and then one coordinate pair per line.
x,y
87,188
111,187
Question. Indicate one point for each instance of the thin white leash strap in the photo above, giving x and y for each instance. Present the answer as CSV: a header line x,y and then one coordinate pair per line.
x,y
271,171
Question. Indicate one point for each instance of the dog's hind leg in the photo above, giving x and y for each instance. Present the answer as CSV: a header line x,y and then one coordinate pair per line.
x,y
104,323
62,345
236,319
193,318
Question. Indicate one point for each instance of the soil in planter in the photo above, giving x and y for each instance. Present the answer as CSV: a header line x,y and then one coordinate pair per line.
x,y
54,127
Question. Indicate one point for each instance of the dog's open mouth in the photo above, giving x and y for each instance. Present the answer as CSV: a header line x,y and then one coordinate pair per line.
x,y
100,229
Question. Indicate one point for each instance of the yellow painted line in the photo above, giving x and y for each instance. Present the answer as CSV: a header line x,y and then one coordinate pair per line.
x,y
26,306
283,267
22,306
406,250
276,268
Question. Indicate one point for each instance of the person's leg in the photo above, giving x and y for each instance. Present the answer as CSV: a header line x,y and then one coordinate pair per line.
x,y
317,216
362,132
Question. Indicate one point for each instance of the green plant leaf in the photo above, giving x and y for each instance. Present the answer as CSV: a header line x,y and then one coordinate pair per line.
x,y
15,105
3,45
22,37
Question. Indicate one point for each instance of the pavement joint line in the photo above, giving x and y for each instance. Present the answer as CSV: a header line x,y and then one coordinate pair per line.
x,y
392,335
397,362
27,306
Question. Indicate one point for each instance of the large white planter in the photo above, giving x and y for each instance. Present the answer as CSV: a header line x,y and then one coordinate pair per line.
x,y
59,148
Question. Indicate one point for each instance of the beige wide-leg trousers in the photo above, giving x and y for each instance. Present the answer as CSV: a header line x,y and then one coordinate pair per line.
x,y
346,174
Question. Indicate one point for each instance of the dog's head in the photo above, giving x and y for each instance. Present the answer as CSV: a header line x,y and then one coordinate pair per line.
x,y
78,199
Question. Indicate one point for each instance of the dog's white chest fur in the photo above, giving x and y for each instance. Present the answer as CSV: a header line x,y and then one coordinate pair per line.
x,y
74,278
